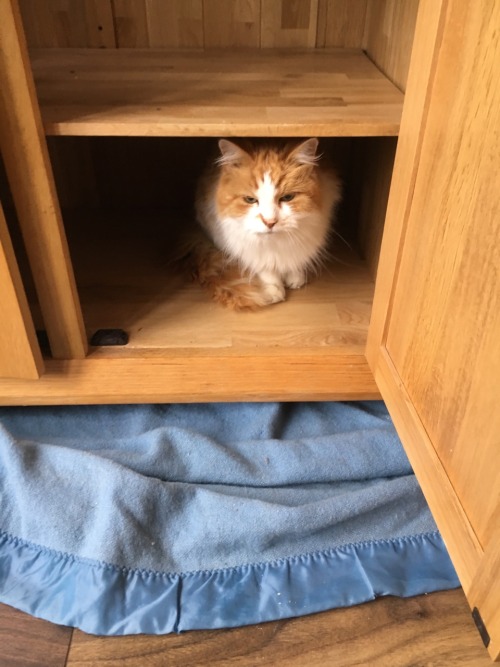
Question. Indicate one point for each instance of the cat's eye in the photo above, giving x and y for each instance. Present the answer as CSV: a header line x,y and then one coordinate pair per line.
x,y
287,198
250,200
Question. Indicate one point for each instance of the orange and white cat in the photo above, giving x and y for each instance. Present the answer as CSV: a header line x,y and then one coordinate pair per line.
x,y
267,207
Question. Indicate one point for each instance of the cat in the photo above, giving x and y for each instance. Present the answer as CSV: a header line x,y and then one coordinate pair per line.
x,y
266,208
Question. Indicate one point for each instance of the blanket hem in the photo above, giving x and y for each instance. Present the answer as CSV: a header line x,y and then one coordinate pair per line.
x,y
112,600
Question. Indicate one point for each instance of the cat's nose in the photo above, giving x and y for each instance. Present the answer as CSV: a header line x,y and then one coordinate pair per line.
x,y
269,222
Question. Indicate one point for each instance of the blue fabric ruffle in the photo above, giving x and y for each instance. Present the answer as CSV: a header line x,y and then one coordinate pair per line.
x,y
102,599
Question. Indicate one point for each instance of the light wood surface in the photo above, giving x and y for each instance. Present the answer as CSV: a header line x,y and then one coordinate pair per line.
x,y
428,35
453,379
231,23
300,375
442,334
382,26
183,346
427,630
175,24
196,23
20,355
388,37
252,93
127,279
289,24
66,23
341,23
27,165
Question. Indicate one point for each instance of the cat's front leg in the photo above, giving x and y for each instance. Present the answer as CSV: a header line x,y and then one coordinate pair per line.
x,y
295,279
273,287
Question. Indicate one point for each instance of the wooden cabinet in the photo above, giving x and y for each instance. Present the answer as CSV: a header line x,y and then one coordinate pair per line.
x,y
20,355
432,350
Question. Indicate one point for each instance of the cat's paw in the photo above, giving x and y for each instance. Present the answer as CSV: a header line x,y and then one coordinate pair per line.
x,y
274,293
295,279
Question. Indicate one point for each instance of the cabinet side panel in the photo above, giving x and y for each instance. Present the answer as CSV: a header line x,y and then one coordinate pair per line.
x,y
374,183
19,352
390,27
341,23
28,169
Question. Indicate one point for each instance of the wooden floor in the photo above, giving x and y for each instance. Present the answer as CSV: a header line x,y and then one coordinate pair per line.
x,y
428,631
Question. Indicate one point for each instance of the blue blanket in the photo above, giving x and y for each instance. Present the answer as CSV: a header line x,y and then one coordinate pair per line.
x,y
128,519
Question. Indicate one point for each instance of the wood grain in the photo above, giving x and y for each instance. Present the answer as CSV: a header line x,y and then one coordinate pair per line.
x,y
24,152
386,25
160,24
66,23
286,24
131,24
126,279
419,632
175,24
428,35
31,642
256,93
341,23
196,377
231,23
389,33
19,351
442,335
448,279
183,347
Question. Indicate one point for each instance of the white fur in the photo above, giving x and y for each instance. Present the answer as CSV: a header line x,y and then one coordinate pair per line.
x,y
267,206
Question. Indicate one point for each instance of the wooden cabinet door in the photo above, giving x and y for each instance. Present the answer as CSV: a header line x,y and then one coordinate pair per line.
x,y
20,355
434,343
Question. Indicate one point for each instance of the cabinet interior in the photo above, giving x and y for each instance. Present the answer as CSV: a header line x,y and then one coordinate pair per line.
x,y
131,124
125,220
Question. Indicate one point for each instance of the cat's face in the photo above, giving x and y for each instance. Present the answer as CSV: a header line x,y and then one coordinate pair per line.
x,y
268,189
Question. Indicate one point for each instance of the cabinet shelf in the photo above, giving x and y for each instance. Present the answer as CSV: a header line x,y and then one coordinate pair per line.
x,y
151,92
184,347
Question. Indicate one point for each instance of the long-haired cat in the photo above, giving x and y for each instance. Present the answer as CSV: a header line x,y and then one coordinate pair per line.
x,y
267,208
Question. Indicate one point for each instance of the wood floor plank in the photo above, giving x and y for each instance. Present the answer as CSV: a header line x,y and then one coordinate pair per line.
x,y
428,631
31,642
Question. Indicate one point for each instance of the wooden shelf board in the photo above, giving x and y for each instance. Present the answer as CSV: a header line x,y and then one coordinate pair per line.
x,y
183,347
152,92
300,376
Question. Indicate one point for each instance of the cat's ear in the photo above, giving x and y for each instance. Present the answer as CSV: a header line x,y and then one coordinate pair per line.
x,y
230,153
305,153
